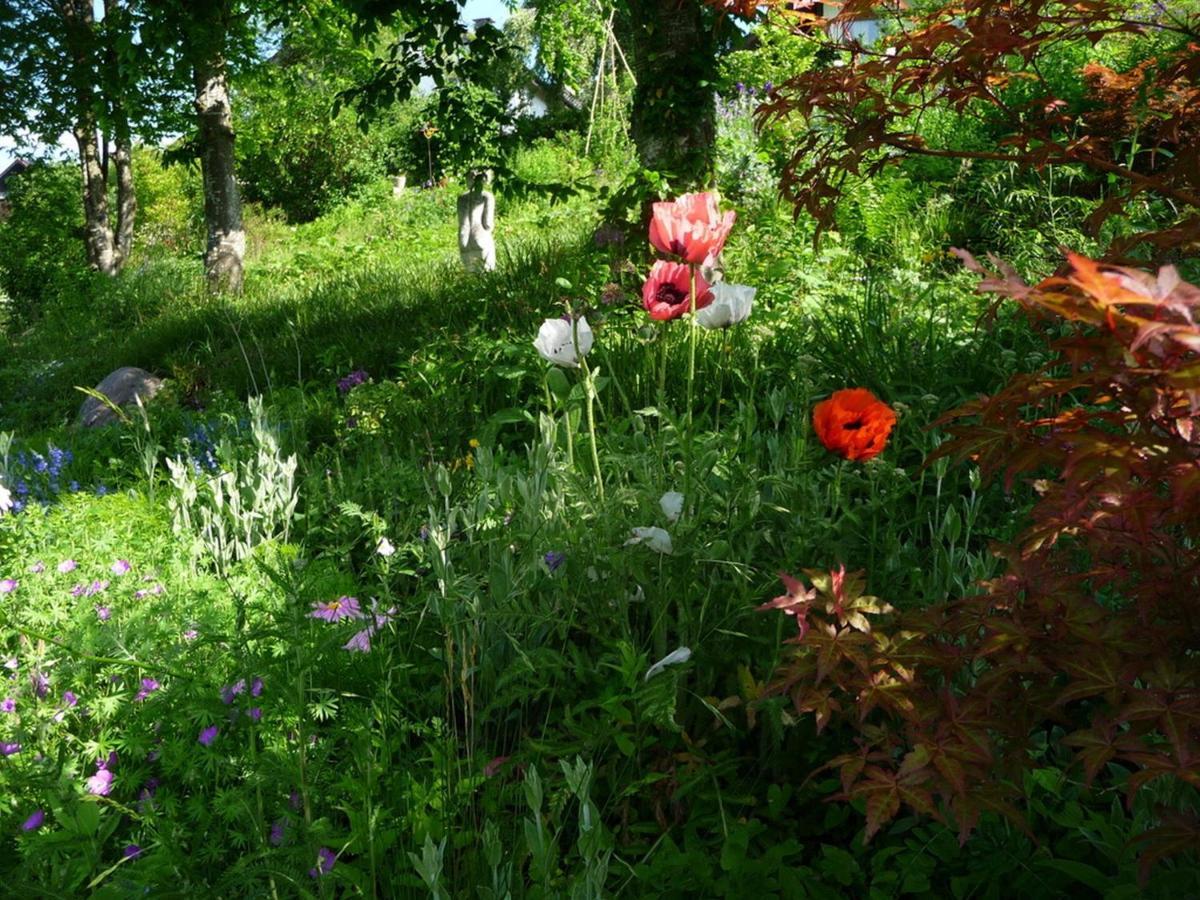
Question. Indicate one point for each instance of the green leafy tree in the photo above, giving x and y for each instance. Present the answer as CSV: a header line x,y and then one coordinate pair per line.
x,y
74,66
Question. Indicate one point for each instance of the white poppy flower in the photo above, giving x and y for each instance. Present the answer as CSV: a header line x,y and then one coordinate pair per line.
x,y
731,304
385,548
654,538
557,345
674,658
672,505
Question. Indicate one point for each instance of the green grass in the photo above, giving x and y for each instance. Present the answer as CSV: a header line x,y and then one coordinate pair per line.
x,y
493,663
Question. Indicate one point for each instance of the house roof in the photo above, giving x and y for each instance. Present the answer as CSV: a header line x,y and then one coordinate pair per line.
x,y
16,167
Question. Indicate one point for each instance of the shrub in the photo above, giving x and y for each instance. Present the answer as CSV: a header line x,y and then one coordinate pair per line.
x,y
43,254
1085,647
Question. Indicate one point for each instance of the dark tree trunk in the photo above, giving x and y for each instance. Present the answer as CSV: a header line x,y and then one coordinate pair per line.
x,y
123,149
673,122
98,237
222,200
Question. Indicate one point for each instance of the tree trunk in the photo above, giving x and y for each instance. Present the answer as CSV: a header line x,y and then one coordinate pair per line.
x,y
98,238
96,233
673,122
123,149
222,200
126,199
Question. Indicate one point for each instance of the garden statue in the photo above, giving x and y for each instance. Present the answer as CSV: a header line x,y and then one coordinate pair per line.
x,y
476,218
398,184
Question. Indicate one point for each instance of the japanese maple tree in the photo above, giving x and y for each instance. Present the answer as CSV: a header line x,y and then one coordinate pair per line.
x,y
1093,630
999,64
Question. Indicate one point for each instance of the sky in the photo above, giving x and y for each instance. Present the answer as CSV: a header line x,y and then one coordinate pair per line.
x,y
472,9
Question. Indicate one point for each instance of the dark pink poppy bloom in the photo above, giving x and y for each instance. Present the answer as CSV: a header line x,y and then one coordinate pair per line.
x,y
665,295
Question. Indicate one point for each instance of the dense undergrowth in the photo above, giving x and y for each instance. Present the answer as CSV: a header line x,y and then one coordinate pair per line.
x,y
489,728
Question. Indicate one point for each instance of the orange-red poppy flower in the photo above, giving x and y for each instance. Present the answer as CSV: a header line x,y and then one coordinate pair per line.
x,y
690,227
853,423
665,293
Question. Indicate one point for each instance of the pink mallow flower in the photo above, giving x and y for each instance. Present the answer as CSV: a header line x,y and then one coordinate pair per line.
x,y
100,784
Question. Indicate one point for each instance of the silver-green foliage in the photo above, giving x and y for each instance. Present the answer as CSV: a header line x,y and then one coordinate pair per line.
x,y
251,500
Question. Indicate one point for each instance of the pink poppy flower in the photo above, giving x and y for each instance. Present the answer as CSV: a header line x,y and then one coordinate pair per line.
x,y
690,227
665,293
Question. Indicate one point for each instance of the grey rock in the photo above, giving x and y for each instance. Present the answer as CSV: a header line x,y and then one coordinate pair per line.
x,y
123,387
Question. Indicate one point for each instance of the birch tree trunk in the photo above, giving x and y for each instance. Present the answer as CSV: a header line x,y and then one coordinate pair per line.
x,y
126,199
222,200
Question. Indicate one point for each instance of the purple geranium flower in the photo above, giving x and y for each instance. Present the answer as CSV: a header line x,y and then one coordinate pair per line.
x,y
191,634
279,831
149,686
8,704
132,851
103,613
40,684
37,568
35,820
325,860
67,565
121,567
256,687
96,587
351,381
8,585
8,749
208,735
334,610
554,559
255,713
69,698
232,690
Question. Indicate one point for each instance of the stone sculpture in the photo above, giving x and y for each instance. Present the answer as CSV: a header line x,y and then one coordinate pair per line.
x,y
476,219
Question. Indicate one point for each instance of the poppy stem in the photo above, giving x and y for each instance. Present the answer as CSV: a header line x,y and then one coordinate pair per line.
x,y
687,446
589,388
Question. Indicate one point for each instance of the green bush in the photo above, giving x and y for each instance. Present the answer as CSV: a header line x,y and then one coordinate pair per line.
x,y
43,252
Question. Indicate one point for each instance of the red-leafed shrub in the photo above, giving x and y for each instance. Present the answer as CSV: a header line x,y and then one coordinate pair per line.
x,y
1093,631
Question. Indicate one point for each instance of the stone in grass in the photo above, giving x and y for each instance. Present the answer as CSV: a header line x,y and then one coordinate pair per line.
x,y
123,387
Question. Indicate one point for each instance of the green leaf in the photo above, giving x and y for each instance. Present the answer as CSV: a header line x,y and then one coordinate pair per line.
x,y
1079,872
